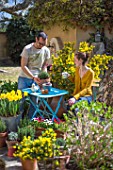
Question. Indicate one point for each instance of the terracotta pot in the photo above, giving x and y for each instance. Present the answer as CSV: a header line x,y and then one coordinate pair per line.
x,y
29,164
60,134
38,131
10,145
3,137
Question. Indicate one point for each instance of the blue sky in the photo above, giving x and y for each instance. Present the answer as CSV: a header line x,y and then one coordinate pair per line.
x,y
10,3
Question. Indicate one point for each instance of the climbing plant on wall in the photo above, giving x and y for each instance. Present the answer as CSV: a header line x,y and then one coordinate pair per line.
x,y
71,13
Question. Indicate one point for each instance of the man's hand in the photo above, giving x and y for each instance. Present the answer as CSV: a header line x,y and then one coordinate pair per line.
x,y
37,80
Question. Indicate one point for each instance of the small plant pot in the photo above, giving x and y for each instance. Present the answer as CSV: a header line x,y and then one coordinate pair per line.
x,y
10,145
47,86
29,164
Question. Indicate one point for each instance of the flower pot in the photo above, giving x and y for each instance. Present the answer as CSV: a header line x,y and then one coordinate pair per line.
x,y
29,164
38,132
12,122
60,134
42,81
3,137
10,145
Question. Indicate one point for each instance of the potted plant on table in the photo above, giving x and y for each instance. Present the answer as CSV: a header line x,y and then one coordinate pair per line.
x,y
3,133
44,78
11,140
9,108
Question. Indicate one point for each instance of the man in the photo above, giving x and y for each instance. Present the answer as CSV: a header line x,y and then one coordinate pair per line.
x,y
33,60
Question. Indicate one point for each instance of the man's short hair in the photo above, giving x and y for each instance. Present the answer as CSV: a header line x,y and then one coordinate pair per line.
x,y
42,34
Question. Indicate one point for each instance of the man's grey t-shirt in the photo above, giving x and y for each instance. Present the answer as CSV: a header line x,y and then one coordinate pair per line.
x,y
35,57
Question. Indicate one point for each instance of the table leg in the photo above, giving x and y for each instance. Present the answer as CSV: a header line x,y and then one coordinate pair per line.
x,y
37,110
54,113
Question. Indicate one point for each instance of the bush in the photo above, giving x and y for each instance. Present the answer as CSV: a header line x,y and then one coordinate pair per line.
x,y
7,86
26,131
3,127
90,135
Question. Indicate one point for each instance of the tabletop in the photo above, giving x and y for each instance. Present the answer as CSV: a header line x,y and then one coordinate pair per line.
x,y
52,93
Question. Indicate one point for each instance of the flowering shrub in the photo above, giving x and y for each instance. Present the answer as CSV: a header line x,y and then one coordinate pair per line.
x,y
10,102
85,47
42,148
99,63
63,63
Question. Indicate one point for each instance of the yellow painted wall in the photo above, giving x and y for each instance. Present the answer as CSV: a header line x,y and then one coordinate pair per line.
x,y
74,35
65,36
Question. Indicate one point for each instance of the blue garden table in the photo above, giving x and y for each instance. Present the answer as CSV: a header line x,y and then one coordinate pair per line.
x,y
43,101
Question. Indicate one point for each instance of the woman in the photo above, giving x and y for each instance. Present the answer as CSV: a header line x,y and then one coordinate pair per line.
x,y
83,80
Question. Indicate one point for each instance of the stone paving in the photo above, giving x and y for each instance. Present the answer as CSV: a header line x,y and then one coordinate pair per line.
x,y
10,162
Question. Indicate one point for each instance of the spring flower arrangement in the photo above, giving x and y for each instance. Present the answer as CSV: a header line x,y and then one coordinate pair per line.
x,y
42,148
10,102
46,123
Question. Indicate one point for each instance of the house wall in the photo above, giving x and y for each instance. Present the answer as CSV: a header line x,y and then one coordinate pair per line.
x,y
72,35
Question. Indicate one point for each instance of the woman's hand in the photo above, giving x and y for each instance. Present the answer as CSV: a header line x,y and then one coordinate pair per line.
x,y
71,101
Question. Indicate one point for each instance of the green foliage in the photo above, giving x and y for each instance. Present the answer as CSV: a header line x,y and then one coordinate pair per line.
x,y
25,128
18,35
3,127
7,86
43,75
26,131
24,122
72,13
60,142
63,63
90,135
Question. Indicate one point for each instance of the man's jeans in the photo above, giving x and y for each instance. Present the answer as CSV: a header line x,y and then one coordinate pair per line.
x,y
22,84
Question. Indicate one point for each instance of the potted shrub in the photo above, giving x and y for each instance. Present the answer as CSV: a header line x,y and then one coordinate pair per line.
x,y
11,140
3,133
41,125
26,131
9,108
40,149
